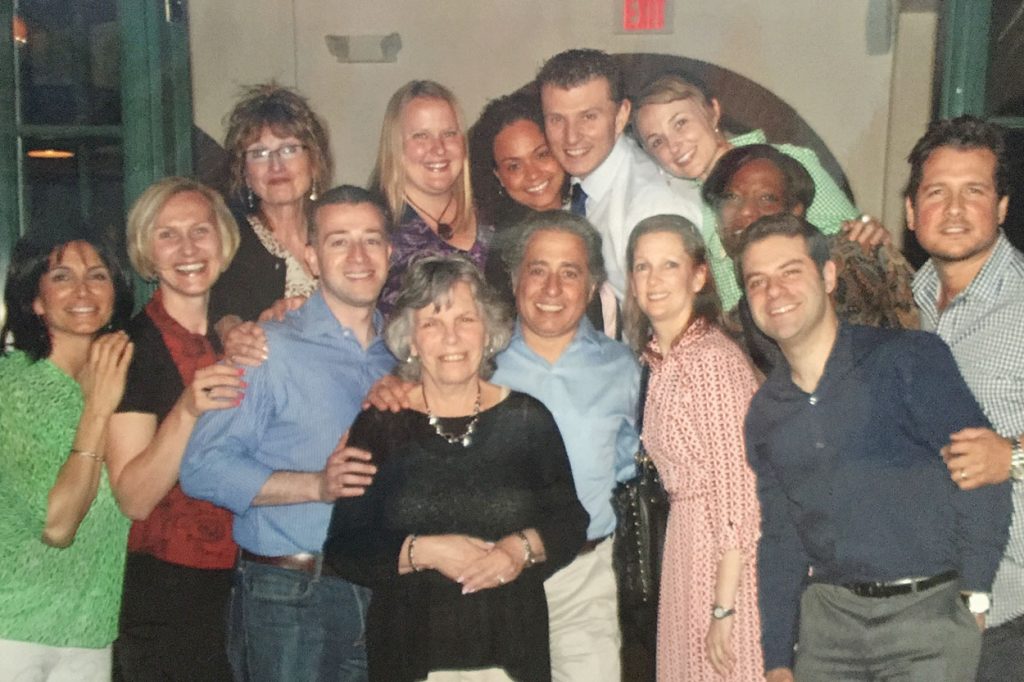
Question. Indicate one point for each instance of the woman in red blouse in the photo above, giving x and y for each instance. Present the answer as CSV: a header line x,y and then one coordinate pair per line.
x,y
180,551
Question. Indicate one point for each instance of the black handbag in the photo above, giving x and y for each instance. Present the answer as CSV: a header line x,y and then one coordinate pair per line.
x,y
641,505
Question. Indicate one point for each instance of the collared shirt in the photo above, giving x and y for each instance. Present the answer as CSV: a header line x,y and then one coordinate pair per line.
x,y
851,482
591,390
984,327
297,405
626,188
830,208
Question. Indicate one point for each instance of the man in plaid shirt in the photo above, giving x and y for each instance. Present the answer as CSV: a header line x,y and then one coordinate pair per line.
x,y
971,293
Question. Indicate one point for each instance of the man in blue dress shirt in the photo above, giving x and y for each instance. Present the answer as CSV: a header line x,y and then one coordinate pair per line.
x,y
590,383
270,460
868,549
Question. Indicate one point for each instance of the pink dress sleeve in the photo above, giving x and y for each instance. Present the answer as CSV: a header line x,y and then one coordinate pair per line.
x,y
724,386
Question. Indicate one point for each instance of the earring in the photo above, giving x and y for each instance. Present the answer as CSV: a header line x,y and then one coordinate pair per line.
x,y
313,195
250,198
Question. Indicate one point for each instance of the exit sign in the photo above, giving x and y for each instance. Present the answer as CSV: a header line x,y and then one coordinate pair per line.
x,y
645,16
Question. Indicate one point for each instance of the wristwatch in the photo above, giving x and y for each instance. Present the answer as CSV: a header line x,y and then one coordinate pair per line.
x,y
720,612
1017,460
976,602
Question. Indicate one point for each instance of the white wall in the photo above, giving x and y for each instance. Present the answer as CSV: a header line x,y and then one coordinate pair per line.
x,y
811,53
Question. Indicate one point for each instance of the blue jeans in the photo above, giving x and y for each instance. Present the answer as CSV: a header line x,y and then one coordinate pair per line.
x,y
289,625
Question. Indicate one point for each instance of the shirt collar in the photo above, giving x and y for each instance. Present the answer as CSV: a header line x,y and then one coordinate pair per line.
x,y
985,286
840,360
317,318
585,335
602,179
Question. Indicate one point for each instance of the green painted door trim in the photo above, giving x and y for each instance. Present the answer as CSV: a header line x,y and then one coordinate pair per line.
x,y
965,56
156,101
10,218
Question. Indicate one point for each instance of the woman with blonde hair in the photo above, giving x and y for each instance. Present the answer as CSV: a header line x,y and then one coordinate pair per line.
x,y
423,175
180,551
697,398
678,122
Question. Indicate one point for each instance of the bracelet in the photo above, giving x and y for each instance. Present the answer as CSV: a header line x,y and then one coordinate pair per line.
x,y
528,557
88,453
412,554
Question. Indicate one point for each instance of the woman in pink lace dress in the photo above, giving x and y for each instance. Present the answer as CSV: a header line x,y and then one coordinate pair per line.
x,y
699,390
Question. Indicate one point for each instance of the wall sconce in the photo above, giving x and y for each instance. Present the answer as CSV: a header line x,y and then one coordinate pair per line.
x,y
364,49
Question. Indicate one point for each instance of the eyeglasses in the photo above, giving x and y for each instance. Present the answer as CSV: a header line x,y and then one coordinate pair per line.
x,y
285,152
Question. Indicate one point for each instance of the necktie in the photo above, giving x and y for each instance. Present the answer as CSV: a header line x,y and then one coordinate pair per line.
x,y
579,200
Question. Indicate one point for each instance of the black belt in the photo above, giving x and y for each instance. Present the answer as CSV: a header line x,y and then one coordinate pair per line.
x,y
305,563
591,545
897,587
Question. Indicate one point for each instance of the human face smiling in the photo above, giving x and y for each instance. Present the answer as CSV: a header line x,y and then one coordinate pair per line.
x,y
757,189
76,293
665,281
553,285
449,339
433,148
582,124
787,294
277,181
350,255
185,246
957,212
526,168
682,136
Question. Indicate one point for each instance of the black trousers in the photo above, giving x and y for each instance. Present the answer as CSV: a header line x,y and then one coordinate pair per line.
x,y
173,623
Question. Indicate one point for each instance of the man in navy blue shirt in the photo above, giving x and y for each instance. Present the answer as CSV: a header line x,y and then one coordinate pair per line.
x,y
867,545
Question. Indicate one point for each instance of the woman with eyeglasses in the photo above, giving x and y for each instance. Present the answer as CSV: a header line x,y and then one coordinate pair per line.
x,y
423,175
279,158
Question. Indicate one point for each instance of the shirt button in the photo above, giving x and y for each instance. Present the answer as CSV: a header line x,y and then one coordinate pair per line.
x,y
813,400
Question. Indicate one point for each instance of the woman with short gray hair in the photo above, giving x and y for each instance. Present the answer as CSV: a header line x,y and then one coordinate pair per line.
x,y
473,504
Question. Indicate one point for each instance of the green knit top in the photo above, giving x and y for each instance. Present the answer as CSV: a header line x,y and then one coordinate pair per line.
x,y
55,597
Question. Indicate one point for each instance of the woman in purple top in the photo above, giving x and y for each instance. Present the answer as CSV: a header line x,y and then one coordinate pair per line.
x,y
423,174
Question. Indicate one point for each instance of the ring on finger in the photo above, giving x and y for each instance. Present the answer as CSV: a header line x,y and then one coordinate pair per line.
x,y
963,474
501,580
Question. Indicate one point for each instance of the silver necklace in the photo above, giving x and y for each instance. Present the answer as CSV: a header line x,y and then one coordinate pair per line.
x,y
466,437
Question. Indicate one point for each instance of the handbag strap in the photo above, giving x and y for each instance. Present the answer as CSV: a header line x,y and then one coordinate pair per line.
x,y
645,378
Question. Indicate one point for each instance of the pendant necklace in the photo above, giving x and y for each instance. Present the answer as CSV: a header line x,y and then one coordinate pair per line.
x,y
466,437
444,230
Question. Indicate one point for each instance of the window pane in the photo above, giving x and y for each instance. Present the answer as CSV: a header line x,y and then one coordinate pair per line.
x,y
69,61
1005,90
63,195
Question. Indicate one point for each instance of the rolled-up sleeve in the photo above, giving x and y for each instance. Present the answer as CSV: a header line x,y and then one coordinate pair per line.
x,y
220,463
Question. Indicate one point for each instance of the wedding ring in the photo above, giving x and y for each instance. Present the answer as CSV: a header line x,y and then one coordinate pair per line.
x,y
963,474
501,580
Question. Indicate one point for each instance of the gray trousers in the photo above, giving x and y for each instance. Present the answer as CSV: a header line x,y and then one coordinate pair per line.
x,y
927,636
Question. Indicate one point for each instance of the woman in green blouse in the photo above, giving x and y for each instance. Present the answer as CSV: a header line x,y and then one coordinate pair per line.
x,y
62,535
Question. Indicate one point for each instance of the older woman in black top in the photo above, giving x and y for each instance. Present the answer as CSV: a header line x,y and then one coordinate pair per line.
x,y
473,503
